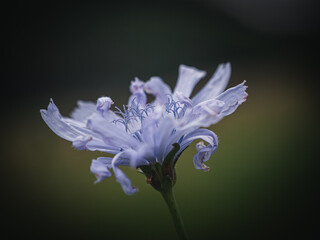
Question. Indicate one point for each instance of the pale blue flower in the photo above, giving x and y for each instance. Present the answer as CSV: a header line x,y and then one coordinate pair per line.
x,y
143,135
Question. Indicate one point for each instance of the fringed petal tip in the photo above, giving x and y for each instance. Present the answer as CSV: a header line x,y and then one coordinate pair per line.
x,y
51,107
245,94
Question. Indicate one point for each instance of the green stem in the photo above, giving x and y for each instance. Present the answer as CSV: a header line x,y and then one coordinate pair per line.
x,y
171,203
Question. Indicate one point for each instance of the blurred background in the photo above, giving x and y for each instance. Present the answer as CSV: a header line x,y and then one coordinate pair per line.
x,y
264,177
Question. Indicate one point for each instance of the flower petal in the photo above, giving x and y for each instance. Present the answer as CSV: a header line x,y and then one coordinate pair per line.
x,y
188,78
121,177
138,96
183,99
94,144
216,84
213,110
100,168
204,152
232,98
164,137
58,124
111,134
81,142
103,106
158,88
83,111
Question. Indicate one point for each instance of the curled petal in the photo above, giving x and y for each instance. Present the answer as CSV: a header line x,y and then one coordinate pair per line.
x,y
124,181
188,78
203,155
136,86
104,105
100,168
204,152
158,88
121,177
138,96
216,84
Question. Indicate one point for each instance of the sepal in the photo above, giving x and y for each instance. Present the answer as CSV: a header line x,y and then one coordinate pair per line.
x,y
162,176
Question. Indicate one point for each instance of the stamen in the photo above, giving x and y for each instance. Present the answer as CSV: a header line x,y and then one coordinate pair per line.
x,y
131,113
174,107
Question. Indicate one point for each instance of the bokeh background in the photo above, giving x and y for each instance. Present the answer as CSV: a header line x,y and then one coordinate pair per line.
x,y
263,181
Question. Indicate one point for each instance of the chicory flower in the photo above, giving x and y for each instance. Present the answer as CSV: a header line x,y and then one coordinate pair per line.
x,y
151,136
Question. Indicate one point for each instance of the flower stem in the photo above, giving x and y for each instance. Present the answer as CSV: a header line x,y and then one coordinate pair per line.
x,y
171,203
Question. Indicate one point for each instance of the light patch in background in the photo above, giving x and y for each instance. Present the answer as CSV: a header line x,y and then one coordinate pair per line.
x,y
279,17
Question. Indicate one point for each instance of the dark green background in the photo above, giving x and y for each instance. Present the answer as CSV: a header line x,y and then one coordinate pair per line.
x,y
264,177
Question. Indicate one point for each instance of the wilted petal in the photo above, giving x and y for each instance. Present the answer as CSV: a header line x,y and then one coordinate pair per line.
x,y
188,78
100,168
216,84
158,88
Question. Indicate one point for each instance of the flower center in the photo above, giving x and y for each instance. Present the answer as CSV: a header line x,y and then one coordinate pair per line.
x,y
132,118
